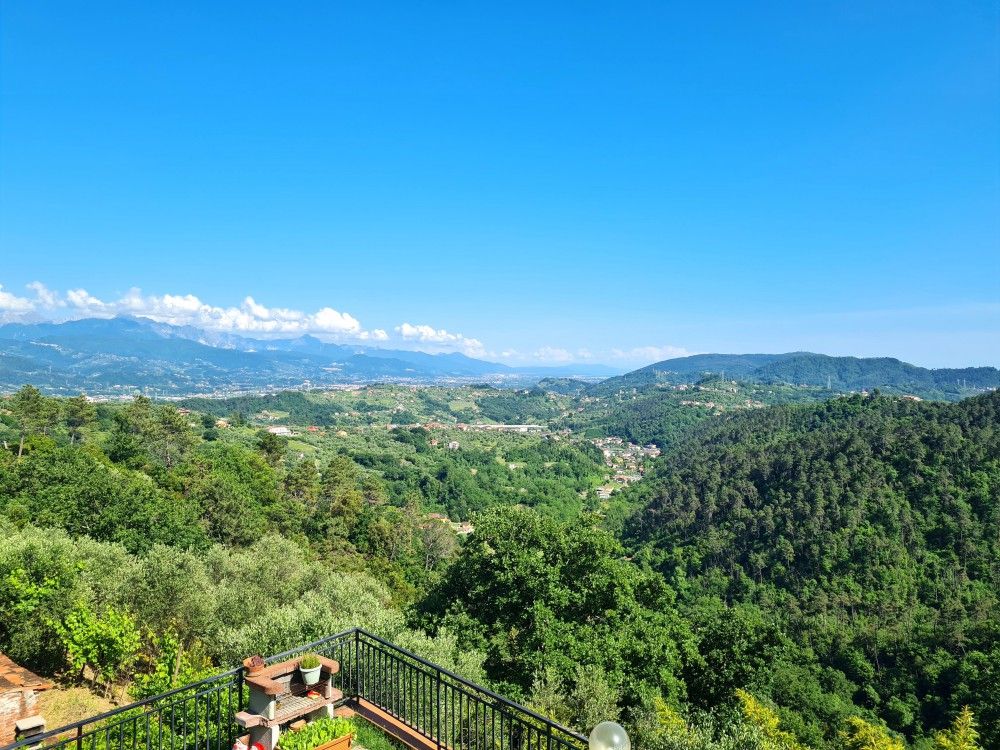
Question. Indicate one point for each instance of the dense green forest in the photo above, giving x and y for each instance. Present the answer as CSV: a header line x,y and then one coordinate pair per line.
x,y
820,575
868,530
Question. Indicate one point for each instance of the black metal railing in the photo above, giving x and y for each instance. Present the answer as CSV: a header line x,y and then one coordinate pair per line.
x,y
439,705
199,715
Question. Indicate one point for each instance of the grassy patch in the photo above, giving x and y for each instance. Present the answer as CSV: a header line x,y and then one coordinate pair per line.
x,y
372,738
65,705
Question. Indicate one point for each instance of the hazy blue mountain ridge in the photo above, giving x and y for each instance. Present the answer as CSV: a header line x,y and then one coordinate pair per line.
x,y
124,354
809,369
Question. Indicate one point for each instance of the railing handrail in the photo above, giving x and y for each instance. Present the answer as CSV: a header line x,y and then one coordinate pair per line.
x,y
438,668
80,726
308,646
479,688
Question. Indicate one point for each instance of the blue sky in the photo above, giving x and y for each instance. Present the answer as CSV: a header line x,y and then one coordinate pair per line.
x,y
610,182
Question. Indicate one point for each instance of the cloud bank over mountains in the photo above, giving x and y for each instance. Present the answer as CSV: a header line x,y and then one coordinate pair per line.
x,y
249,317
255,319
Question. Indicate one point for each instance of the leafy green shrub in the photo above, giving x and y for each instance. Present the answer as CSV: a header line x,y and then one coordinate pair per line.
x,y
309,661
107,643
316,733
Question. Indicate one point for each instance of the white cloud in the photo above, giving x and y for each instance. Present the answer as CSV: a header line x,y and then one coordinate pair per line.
x,y
650,353
12,303
82,299
427,333
553,354
430,335
249,317
558,355
329,320
186,309
45,297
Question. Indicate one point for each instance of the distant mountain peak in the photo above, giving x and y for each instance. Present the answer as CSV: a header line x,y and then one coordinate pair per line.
x,y
122,354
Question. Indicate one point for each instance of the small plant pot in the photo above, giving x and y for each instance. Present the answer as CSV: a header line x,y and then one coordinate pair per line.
x,y
310,676
254,664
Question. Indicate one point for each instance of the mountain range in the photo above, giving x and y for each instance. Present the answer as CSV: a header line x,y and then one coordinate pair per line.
x,y
838,374
118,356
122,355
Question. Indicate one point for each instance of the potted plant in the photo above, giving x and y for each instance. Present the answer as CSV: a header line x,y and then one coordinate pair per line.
x,y
322,734
254,664
310,666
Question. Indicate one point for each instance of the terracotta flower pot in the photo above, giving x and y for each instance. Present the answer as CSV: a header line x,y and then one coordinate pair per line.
x,y
254,664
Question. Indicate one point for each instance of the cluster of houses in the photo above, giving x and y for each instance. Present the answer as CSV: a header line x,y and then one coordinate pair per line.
x,y
626,462
523,429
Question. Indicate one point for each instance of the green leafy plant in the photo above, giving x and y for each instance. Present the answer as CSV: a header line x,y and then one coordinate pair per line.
x,y
309,661
317,733
108,642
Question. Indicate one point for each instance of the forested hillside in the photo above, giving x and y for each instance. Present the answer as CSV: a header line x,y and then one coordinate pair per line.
x,y
865,529
839,374
813,576
664,413
382,404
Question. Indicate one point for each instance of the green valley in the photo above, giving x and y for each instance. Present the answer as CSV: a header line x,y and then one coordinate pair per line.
x,y
797,569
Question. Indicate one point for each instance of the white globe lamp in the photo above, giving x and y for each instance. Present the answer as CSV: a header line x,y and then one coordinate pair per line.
x,y
609,736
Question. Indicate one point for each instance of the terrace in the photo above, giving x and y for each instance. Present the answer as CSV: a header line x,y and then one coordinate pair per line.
x,y
415,702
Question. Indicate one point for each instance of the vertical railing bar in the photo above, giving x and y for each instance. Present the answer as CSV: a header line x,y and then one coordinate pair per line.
x,y
394,682
383,670
402,690
380,678
437,706
377,688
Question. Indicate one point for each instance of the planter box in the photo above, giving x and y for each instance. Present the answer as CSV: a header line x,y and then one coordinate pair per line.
x,y
341,743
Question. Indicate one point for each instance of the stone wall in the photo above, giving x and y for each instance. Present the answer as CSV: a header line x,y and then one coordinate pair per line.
x,y
15,704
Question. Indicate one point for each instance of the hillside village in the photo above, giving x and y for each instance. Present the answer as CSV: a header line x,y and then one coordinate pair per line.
x,y
626,460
